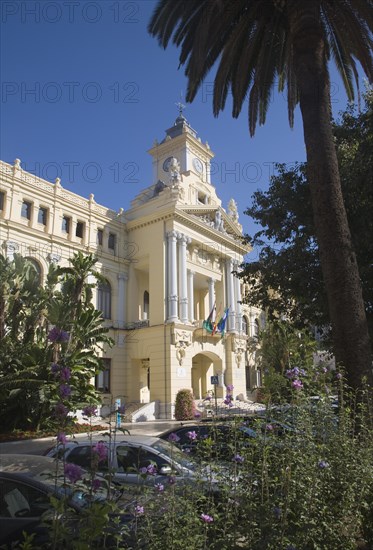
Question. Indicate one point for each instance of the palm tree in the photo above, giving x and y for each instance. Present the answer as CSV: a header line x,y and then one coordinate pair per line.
x,y
255,42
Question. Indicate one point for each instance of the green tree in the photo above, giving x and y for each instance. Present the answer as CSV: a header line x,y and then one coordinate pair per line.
x,y
288,260
254,43
45,330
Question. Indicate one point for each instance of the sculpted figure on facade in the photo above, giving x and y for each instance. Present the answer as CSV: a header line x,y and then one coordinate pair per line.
x,y
232,210
174,170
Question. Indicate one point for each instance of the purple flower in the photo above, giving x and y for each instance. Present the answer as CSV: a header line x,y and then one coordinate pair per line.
x,y
208,398
61,438
100,449
197,414
55,368
152,469
339,376
172,480
269,427
61,410
73,472
58,335
192,435
297,384
289,373
65,374
143,471
89,410
174,438
323,464
206,518
139,510
230,387
238,459
96,484
65,391
159,487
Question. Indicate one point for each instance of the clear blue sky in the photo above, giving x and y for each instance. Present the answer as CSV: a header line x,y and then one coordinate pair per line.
x,y
85,91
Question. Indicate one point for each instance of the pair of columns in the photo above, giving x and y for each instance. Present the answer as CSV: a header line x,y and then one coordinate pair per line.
x,y
180,281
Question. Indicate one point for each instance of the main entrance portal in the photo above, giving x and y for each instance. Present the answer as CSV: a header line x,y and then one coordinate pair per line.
x,y
204,365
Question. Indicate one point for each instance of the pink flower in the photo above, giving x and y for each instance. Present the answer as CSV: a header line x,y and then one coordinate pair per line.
x,y
297,384
64,391
61,438
174,438
96,484
100,449
192,435
89,410
73,472
65,374
206,518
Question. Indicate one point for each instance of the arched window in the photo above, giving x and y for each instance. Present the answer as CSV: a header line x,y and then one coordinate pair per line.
x,y
146,305
37,268
104,299
256,327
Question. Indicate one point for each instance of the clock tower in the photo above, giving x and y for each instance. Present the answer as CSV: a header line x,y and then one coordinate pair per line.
x,y
183,144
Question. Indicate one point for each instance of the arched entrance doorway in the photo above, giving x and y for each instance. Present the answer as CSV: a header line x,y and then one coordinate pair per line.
x,y
205,365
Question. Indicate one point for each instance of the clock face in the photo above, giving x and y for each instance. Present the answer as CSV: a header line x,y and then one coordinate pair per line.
x,y
198,165
166,164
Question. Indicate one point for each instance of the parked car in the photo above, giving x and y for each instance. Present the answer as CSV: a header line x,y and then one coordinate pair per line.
x,y
224,435
26,484
134,459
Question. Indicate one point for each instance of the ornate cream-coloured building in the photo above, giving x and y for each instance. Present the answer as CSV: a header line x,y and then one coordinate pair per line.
x,y
167,260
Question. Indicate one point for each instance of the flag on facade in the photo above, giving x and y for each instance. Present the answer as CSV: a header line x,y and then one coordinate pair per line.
x,y
221,324
208,324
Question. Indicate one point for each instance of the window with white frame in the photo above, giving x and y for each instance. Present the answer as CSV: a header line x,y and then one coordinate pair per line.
x,y
102,380
104,299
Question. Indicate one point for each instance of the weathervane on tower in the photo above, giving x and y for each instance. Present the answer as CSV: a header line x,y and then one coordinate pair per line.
x,y
180,105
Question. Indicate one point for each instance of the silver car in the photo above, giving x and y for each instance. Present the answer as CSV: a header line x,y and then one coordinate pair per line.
x,y
133,459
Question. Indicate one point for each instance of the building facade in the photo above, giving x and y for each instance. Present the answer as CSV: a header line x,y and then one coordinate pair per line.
x,y
169,260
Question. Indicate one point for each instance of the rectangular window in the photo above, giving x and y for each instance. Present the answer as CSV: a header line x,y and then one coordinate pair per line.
x,y
43,215
102,381
79,229
26,210
104,299
111,241
100,236
2,200
66,224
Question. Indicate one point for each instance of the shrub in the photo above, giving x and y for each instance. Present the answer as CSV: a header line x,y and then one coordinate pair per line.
x,y
184,405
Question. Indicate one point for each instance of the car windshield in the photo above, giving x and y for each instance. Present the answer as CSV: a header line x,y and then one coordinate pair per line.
x,y
174,453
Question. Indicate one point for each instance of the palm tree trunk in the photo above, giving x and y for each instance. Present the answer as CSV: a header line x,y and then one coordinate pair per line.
x,y
338,260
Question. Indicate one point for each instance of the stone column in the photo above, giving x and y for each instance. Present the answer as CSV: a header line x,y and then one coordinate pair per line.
x,y
183,293
191,295
211,283
238,298
121,313
172,277
231,298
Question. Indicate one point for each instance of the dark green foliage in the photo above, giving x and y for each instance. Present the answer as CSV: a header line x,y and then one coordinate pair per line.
x,y
28,388
288,261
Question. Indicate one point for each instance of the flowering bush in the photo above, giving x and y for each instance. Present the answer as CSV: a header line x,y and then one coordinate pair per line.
x,y
184,405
